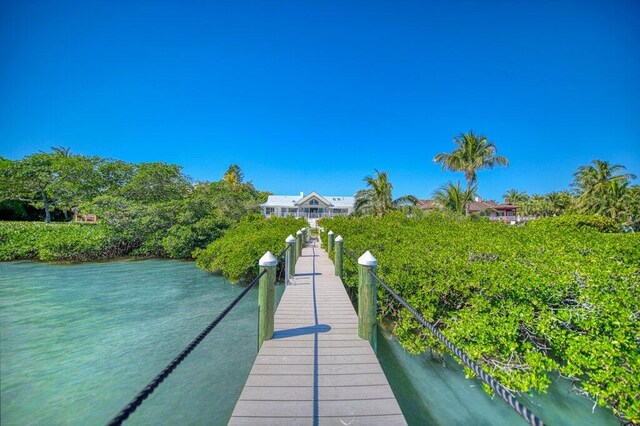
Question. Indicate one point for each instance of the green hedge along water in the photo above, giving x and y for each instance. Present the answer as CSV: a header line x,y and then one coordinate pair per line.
x,y
77,342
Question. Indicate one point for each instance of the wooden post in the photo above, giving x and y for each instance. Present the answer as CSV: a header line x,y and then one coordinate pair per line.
x,y
339,244
299,243
266,297
291,257
330,240
367,299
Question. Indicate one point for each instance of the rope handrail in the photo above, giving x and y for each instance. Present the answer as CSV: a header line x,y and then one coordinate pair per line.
x,y
351,255
144,393
486,377
283,252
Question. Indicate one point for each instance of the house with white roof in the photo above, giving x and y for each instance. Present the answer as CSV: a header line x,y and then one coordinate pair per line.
x,y
312,206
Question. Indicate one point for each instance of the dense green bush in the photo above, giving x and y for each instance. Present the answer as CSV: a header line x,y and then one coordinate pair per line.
x,y
577,221
182,240
235,255
56,242
521,301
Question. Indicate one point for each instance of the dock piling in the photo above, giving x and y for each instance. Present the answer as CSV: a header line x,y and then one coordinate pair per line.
x,y
339,245
330,241
266,297
299,244
367,299
290,266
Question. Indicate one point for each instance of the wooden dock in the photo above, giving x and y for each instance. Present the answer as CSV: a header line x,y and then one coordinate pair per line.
x,y
316,370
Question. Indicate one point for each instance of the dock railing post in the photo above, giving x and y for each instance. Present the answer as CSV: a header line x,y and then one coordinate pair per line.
x,y
299,243
330,241
290,259
339,244
266,297
367,299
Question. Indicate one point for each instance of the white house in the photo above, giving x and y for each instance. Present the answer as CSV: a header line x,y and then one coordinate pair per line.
x,y
312,206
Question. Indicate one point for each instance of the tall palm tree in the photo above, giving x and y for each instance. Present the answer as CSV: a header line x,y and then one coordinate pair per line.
x,y
615,204
473,152
513,196
593,183
378,199
453,197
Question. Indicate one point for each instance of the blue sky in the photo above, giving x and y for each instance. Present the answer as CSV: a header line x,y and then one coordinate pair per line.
x,y
316,95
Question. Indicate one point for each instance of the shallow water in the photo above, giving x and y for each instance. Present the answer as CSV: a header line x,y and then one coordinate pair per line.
x,y
77,342
435,392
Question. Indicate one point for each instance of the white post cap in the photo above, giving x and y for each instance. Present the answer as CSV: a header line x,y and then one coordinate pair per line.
x,y
367,259
268,260
339,239
330,232
299,232
290,239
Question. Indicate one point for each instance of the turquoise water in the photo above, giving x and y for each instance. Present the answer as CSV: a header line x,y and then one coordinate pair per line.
x,y
435,392
77,342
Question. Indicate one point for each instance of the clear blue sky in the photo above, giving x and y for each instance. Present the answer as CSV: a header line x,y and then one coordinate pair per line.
x,y
315,95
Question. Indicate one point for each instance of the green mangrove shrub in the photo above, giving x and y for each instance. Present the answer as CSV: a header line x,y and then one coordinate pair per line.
x,y
236,254
557,295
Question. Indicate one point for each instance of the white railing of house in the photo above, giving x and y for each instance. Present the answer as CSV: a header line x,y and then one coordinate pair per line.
x,y
309,215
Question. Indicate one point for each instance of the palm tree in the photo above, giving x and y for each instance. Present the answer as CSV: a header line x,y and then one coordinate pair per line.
x,y
593,184
453,197
615,204
378,199
473,152
513,196
61,151
559,202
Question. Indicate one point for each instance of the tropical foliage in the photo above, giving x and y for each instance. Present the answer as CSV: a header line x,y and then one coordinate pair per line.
x,y
555,295
473,152
236,254
377,199
603,188
513,196
57,242
453,197
145,209
598,189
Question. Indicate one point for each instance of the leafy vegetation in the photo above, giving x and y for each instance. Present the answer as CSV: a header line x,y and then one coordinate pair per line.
x,y
235,255
453,198
556,294
473,152
600,188
377,199
56,242
145,209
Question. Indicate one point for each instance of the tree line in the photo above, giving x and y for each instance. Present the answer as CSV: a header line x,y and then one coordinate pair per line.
x,y
149,208
600,188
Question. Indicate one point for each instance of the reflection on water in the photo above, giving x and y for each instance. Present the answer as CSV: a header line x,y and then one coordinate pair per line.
x,y
77,342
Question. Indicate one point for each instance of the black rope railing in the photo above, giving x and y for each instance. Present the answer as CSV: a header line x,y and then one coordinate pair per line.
x,y
283,252
144,393
486,377
350,255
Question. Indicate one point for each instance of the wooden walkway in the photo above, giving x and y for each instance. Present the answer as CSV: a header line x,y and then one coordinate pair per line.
x,y
316,370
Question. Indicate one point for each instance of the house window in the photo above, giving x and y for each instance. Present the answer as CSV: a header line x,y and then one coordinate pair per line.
x,y
270,210
314,202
